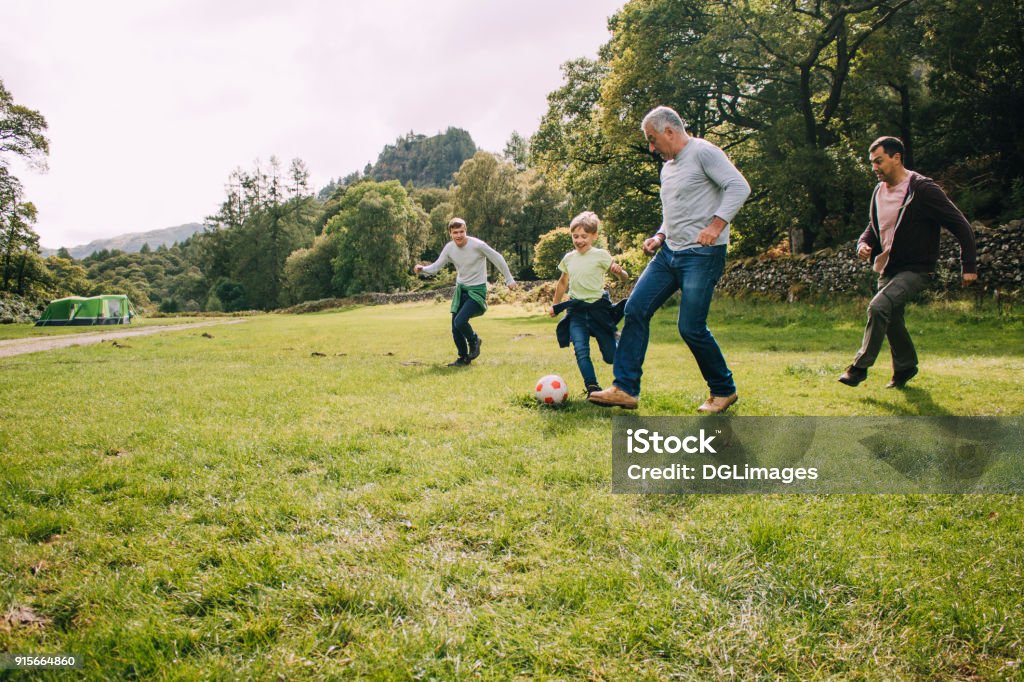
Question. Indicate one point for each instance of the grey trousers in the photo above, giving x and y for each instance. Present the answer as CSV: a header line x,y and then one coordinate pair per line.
x,y
885,321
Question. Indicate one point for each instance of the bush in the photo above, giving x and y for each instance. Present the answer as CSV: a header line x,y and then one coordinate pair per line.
x,y
548,252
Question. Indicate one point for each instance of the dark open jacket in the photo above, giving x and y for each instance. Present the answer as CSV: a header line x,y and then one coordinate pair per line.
x,y
915,245
602,316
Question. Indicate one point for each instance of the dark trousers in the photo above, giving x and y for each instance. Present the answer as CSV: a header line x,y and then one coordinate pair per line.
x,y
462,333
885,321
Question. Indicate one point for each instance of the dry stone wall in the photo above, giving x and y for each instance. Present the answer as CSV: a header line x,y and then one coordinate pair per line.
x,y
838,272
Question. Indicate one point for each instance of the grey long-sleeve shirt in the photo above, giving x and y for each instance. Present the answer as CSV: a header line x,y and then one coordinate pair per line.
x,y
697,185
470,262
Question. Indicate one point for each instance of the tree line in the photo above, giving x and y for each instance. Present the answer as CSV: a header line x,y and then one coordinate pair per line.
x,y
793,91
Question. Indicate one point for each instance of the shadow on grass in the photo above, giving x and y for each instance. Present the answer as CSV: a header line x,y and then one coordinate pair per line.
x,y
921,403
574,410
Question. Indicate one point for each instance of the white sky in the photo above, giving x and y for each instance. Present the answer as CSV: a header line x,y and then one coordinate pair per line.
x,y
152,103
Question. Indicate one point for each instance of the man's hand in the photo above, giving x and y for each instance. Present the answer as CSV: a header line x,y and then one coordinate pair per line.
x,y
709,235
512,285
652,244
863,251
969,278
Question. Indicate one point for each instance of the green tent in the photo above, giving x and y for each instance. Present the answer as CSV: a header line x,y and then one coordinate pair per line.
x,y
75,310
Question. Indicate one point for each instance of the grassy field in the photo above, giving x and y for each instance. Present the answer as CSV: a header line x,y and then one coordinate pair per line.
x,y
319,497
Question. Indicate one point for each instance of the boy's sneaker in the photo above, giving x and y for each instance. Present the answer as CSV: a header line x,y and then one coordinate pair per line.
x,y
463,361
592,388
474,348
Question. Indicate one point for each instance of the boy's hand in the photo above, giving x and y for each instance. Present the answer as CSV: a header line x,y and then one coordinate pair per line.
x,y
417,268
617,270
551,311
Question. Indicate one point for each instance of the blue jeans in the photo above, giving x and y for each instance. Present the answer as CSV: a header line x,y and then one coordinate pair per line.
x,y
462,332
579,334
694,271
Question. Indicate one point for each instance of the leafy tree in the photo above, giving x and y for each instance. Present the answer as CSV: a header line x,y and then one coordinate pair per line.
x,y
507,208
379,232
551,247
767,81
517,151
308,273
616,177
489,197
21,134
437,235
18,242
231,295
971,132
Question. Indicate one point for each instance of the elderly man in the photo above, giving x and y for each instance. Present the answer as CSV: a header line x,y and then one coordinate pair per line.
x,y
701,192
902,240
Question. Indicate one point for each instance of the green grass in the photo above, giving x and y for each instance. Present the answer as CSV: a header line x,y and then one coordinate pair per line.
x,y
236,506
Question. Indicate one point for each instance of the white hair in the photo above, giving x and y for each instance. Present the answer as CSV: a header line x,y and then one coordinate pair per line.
x,y
663,117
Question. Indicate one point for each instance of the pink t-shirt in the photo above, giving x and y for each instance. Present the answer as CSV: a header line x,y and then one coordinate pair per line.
x,y
888,202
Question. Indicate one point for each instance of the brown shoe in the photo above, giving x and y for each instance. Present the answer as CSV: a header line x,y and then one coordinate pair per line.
x,y
613,397
718,403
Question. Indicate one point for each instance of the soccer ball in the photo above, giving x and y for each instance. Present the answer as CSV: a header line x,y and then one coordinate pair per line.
x,y
551,390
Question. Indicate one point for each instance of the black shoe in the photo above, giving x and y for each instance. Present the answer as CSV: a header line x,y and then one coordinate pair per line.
x,y
593,388
474,348
853,375
900,378
463,361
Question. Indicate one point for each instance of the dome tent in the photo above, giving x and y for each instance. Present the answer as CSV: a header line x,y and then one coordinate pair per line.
x,y
75,310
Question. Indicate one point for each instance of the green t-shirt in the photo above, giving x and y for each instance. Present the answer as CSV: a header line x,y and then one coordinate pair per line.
x,y
586,273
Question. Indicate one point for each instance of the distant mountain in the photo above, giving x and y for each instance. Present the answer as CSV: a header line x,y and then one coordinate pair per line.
x,y
131,243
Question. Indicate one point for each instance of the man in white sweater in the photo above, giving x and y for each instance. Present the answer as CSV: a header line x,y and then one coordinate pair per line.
x,y
469,255
701,192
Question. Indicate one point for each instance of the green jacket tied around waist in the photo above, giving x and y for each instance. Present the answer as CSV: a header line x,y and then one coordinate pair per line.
x,y
477,292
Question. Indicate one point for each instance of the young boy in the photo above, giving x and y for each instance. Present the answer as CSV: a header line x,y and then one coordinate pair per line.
x,y
469,255
589,308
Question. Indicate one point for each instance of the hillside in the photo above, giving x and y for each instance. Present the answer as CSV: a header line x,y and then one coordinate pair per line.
x,y
132,242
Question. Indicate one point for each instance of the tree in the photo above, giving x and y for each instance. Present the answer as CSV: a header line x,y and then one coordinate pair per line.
x,y
379,232
551,248
766,81
308,273
517,151
972,131
489,197
21,134
614,176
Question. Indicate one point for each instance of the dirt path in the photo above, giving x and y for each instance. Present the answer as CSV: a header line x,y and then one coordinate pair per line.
x,y
38,343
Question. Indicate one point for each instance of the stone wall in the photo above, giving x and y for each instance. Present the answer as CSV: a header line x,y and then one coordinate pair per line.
x,y
838,271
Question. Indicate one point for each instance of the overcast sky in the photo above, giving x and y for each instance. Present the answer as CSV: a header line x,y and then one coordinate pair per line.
x,y
152,103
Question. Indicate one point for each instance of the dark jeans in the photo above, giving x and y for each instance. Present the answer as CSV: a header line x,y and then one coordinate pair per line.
x,y
462,333
885,321
579,334
696,272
